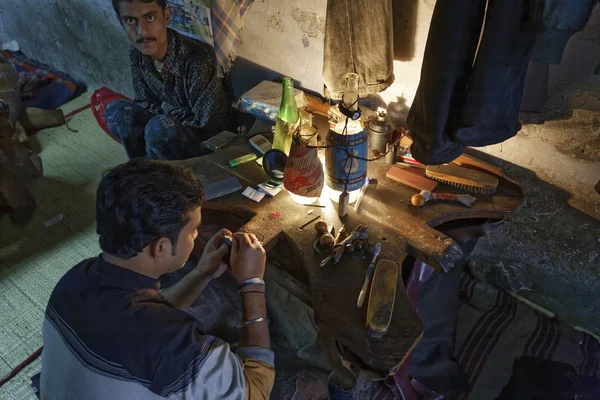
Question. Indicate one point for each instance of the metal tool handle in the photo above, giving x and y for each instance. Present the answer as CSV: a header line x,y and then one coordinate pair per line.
x,y
370,272
326,260
363,293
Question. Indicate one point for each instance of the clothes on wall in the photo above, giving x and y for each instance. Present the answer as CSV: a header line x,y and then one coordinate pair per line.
x,y
475,65
535,94
358,38
472,79
554,22
227,18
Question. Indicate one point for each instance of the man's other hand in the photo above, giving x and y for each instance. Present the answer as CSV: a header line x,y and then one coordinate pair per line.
x,y
247,257
211,263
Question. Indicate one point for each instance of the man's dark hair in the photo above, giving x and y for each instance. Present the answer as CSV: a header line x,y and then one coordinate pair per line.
x,y
115,3
141,201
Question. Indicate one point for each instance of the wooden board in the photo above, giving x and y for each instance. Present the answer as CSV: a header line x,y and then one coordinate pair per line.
x,y
382,298
465,160
386,209
413,177
335,289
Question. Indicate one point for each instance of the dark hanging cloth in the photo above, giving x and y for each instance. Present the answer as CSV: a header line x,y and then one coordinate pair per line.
x,y
358,38
535,94
472,79
534,379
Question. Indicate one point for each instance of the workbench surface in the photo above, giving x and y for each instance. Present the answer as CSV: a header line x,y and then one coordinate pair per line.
x,y
386,210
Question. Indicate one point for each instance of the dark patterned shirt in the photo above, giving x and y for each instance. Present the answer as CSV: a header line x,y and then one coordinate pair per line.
x,y
187,89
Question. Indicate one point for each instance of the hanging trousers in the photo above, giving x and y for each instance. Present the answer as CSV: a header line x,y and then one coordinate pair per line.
x,y
470,90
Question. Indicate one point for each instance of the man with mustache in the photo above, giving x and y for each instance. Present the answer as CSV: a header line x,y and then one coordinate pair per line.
x,y
179,99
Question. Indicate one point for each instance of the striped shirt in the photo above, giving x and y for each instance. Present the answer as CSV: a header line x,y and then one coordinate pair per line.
x,y
110,334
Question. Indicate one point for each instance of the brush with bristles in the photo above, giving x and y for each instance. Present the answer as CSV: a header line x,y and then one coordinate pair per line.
x,y
463,178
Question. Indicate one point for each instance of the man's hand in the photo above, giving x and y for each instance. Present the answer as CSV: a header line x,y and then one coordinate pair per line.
x,y
211,263
247,257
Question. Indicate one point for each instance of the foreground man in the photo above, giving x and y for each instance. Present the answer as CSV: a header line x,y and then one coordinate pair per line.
x,y
110,333
179,100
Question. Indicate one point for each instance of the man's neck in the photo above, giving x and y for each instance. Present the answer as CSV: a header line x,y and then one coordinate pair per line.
x,y
134,264
161,55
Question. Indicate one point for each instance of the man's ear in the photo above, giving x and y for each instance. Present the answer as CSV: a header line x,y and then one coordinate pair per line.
x,y
161,248
168,15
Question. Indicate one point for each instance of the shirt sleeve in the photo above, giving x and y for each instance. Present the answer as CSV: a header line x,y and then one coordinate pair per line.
x,y
198,366
259,377
206,94
143,95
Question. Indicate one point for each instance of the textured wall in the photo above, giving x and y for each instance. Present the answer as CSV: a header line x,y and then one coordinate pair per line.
x,y
82,37
287,37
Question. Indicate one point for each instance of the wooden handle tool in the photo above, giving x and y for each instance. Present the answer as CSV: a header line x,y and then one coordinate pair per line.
x,y
420,199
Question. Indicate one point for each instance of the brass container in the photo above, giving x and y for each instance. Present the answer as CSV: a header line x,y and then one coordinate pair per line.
x,y
380,130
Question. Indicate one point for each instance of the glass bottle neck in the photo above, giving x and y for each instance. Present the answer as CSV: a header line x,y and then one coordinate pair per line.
x,y
350,97
288,111
288,90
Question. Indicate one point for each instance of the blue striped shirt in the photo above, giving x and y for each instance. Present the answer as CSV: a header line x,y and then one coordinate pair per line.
x,y
110,334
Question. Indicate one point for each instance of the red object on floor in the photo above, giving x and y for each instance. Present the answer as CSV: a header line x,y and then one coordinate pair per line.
x,y
74,112
21,366
101,98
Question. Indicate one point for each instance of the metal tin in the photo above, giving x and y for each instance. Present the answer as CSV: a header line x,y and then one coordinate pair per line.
x,y
380,131
392,154
343,174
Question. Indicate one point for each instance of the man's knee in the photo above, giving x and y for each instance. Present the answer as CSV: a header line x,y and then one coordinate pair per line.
x,y
158,129
116,111
160,134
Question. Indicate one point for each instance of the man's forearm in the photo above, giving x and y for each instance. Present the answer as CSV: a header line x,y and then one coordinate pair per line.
x,y
183,294
254,306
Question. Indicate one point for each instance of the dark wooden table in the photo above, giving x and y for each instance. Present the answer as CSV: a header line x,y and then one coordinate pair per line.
x,y
386,210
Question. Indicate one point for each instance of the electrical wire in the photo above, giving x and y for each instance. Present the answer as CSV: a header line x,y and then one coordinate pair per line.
x,y
240,139
350,156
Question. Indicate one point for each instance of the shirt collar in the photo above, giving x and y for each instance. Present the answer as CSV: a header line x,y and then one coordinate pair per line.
x,y
114,276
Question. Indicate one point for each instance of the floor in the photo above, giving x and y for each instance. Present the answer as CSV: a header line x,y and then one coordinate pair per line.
x,y
33,257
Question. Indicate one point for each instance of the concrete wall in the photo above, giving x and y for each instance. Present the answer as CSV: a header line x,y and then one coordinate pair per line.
x,y
84,38
81,37
286,37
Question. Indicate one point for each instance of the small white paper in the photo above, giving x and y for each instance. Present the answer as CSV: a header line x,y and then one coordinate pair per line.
x,y
253,194
268,190
53,221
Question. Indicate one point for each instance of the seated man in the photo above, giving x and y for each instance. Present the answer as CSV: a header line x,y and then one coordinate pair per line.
x,y
179,99
111,333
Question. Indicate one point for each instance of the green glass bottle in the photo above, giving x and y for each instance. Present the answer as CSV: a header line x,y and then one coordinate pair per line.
x,y
287,117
